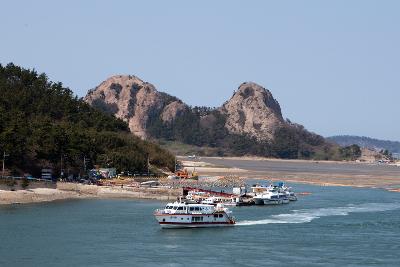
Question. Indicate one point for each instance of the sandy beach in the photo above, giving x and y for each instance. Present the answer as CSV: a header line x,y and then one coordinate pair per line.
x,y
65,191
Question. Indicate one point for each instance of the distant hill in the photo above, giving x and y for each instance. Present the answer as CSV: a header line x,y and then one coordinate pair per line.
x,y
249,123
43,124
367,142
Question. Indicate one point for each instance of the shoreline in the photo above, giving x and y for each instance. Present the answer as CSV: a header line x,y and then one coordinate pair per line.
x,y
43,195
172,188
67,191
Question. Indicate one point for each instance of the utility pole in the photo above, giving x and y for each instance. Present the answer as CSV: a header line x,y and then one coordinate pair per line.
x,y
4,160
84,165
148,165
175,166
61,167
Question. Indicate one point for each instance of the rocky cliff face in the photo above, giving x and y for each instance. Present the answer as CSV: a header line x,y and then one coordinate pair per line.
x,y
134,101
253,111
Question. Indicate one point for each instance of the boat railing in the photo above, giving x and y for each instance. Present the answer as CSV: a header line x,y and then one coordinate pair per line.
x,y
159,211
163,211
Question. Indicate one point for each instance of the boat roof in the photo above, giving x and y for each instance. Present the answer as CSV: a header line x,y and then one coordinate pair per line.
x,y
181,204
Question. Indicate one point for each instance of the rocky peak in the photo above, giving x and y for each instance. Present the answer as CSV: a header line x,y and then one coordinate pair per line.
x,y
252,110
134,101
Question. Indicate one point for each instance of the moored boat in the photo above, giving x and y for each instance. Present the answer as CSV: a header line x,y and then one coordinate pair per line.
x,y
271,198
291,195
220,200
184,215
288,191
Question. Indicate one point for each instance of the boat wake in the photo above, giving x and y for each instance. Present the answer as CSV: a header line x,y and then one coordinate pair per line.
x,y
307,215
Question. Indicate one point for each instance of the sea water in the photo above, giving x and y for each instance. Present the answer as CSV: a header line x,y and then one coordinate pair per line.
x,y
334,226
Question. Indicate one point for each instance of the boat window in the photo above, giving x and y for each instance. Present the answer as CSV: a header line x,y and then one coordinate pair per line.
x,y
215,215
221,215
191,208
197,219
180,208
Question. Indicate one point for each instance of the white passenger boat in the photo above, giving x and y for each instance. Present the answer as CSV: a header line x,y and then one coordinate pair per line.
x,y
288,191
183,215
260,189
227,201
197,196
271,198
261,193
291,195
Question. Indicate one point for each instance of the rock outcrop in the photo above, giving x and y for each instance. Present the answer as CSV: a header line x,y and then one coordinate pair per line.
x,y
134,101
253,111
172,110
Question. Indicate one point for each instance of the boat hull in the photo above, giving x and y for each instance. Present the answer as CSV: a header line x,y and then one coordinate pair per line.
x,y
285,201
192,225
194,220
258,201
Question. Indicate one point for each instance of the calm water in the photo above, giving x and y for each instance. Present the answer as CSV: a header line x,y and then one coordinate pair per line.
x,y
335,226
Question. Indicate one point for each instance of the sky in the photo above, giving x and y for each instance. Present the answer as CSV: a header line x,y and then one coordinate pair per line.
x,y
334,66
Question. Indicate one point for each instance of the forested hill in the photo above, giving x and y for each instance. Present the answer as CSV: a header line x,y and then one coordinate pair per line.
x,y
249,123
42,123
362,141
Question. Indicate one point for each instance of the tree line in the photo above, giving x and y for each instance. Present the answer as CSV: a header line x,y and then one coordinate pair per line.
x,y
203,126
44,125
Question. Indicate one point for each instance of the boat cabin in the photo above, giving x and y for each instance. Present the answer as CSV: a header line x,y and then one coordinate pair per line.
x,y
189,208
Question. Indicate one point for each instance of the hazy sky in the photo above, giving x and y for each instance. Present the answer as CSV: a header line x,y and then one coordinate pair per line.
x,y
334,66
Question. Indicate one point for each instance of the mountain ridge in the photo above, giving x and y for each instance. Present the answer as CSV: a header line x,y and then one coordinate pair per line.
x,y
366,142
249,123
252,110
